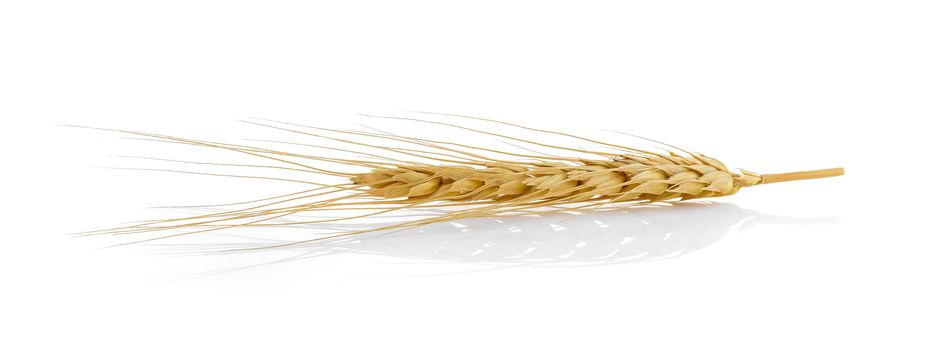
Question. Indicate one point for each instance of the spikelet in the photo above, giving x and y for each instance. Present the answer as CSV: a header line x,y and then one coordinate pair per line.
x,y
463,183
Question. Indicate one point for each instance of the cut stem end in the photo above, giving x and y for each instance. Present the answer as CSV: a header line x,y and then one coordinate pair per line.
x,y
801,175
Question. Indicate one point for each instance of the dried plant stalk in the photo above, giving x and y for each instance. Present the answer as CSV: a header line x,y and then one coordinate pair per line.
x,y
460,178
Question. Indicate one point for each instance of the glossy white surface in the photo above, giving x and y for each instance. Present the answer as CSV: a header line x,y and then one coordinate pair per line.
x,y
833,263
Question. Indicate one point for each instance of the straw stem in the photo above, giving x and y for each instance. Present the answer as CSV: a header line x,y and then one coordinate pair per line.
x,y
801,175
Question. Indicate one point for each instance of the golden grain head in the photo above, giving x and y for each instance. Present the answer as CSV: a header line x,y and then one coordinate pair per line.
x,y
463,180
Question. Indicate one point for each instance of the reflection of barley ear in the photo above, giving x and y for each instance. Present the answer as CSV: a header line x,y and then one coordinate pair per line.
x,y
451,181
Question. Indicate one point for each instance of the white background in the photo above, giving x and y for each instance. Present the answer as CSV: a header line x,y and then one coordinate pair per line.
x,y
768,86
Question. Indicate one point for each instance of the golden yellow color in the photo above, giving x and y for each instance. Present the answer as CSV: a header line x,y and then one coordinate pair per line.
x,y
616,180
451,181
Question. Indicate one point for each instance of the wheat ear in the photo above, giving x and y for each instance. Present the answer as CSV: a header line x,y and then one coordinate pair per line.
x,y
617,180
451,181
